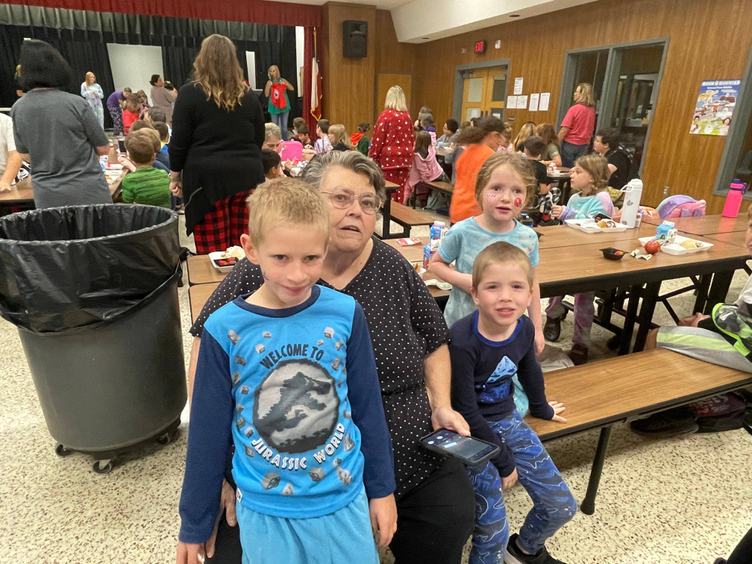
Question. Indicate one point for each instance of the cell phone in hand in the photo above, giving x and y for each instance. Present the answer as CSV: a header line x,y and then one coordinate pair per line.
x,y
121,145
468,450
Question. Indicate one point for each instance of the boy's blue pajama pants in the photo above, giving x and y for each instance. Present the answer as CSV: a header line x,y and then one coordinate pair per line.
x,y
553,503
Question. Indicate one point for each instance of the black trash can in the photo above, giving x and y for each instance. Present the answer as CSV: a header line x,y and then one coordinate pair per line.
x,y
93,292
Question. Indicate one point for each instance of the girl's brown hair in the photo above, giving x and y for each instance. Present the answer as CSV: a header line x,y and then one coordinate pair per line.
x,y
518,163
597,167
133,103
476,134
422,142
217,71
547,132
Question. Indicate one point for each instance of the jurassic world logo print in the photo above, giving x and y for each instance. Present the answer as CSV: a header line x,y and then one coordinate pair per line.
x,y
296,408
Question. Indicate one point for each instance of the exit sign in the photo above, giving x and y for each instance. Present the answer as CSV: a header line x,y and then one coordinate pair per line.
x,y
480,47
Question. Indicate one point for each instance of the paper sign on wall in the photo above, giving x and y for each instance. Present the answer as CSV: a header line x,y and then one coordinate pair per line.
x,y
522,102
511,102
715,107
534,102
545,97
518,86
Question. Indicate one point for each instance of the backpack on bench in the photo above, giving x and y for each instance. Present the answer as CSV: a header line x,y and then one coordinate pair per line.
x,y
680,205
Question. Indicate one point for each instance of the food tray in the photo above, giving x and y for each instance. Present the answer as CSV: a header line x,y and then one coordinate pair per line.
x,y
590,226
675,248
217,257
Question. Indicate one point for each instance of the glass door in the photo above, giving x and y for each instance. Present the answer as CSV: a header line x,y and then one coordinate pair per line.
x,y
483,93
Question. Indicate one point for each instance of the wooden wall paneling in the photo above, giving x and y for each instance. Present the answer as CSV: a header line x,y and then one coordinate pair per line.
x,y
384,81
701,46
392,58
348,83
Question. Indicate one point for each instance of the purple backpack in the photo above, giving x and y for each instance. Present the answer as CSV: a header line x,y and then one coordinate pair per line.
x,y
681,206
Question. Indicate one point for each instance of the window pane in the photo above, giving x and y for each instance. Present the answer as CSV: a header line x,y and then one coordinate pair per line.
x,y
475,90
499,86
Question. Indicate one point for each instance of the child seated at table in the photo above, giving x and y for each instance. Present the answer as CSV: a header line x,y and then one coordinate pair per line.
x,y
360,139
272,164
590,177
300,131
338,138
425,169
287,375
163,155
504,184
131,112
322,144
533,150
489,349
146,184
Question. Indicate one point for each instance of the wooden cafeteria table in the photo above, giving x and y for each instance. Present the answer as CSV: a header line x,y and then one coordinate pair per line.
x,y
386,210
200,271
554,236
22,193
705,225
583,268
197,297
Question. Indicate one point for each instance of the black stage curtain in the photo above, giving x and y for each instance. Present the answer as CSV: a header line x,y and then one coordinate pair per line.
x,y
82,38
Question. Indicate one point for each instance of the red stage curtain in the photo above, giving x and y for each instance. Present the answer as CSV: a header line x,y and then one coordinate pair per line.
x,y
256,11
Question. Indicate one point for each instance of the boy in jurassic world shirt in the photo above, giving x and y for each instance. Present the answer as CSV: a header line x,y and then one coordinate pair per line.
x,y
288,374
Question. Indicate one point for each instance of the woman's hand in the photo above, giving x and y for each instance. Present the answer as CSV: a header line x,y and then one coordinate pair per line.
x,y
383,512
445,417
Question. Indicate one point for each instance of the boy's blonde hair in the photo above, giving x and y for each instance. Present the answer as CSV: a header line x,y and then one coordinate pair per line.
x,y
519,164
142,145
597,167
287,201
500,253
340,135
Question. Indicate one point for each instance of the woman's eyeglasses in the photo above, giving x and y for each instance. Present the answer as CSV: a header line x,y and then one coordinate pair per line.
x,y
342,199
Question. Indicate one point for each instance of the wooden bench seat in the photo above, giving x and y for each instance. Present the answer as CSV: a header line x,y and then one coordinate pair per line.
x,y
408,218
445,187
601,393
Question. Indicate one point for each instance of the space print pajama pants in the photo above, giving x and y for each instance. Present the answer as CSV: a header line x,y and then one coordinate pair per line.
x,y
553,503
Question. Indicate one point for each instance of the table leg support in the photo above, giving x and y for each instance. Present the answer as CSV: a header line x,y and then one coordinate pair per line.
x,y
588,504
629,319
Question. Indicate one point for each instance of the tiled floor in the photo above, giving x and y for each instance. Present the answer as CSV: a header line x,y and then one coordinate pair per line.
x,y
678,501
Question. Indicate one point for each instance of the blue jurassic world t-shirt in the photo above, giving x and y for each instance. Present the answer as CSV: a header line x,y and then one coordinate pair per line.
x,y
299,389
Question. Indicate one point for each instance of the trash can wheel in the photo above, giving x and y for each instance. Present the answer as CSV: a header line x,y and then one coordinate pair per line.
x,y
169,435
61,451
103,466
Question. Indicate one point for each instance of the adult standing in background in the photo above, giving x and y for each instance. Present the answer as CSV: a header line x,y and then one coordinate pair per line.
x,y
215,149
393,140
92,93
279,104
57,132
578,125
10,160
161,96
115,103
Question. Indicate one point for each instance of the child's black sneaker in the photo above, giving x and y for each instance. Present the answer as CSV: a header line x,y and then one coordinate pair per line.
x,y
514,555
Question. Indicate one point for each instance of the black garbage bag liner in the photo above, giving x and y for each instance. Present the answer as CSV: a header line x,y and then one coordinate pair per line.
x,y
63,268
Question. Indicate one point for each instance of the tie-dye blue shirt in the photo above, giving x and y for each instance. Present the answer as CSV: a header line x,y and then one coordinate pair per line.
x,y
464,241
297,392
482,371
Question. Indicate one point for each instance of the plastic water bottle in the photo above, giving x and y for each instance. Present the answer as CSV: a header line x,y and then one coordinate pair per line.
x,y
734,198
426,256
434,235
632,194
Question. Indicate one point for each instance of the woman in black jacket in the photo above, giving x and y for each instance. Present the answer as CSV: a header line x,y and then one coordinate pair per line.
x,y
215,149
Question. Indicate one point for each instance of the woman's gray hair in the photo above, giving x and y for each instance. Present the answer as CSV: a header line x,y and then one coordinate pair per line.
x,y
350,160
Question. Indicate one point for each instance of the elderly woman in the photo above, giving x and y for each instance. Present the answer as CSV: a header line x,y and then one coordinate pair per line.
x,y
434,498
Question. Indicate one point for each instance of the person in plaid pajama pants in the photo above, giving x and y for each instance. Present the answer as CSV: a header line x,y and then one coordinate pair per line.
x,y
215,148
